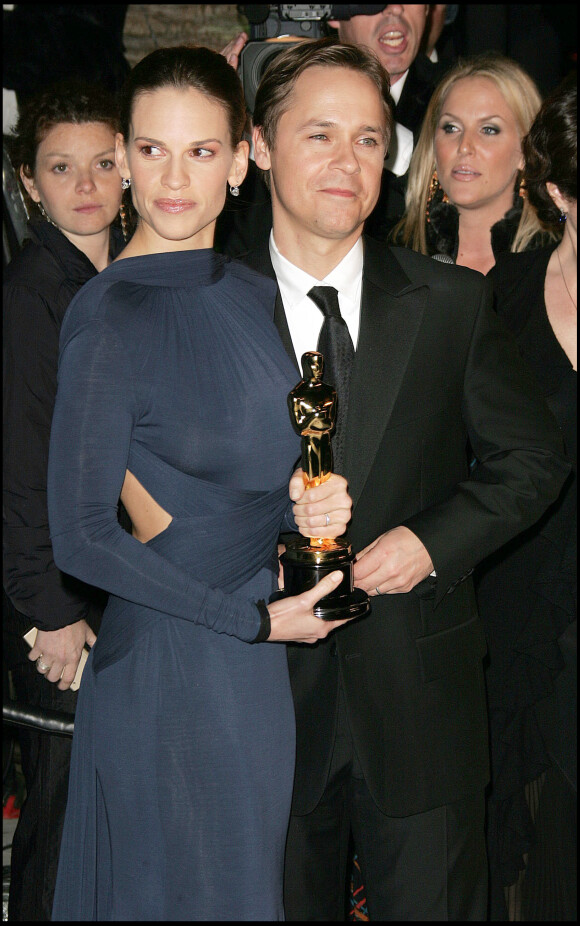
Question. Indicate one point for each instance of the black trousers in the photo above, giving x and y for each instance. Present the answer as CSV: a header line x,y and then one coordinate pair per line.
x,y
45,764
429,866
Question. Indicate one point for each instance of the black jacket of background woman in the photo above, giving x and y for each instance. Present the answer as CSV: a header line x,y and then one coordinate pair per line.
x,y
39,284
443,229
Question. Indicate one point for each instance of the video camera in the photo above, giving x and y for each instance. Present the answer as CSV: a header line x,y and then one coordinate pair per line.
x,y
274,27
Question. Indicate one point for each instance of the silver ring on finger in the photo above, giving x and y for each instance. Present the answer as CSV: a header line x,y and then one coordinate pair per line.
x,y
327,516
377,590
42,666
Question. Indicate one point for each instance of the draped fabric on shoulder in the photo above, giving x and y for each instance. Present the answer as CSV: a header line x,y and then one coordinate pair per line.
x,y
183,755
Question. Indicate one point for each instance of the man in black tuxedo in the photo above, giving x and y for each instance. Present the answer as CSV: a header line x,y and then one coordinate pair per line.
x,y
390,710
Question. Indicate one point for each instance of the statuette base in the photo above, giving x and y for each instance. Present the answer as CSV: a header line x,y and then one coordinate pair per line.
x,y
305,565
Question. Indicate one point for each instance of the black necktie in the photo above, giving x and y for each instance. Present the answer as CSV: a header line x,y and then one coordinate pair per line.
x,y
335,343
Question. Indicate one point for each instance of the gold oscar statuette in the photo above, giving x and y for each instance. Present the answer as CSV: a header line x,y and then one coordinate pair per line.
x,y
313,406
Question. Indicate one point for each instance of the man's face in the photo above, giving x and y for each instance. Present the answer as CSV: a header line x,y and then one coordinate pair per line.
x,y
394,35
327,160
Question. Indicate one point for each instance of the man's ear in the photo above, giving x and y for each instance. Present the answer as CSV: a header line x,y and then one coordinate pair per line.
x,y
261,150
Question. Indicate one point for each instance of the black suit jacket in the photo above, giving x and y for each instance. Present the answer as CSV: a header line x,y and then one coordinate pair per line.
x,y
420,83
434,369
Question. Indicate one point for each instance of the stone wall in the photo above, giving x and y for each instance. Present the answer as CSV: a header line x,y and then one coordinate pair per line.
x,y
155,25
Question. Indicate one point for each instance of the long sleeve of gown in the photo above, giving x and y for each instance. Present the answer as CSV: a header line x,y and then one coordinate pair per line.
x,y
97,409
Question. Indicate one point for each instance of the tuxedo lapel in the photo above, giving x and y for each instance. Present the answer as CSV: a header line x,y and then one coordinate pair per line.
x,y
261,261
281,323
391,312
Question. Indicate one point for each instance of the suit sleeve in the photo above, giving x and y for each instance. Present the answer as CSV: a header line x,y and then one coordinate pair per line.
x,y
34,584
96,410
519,466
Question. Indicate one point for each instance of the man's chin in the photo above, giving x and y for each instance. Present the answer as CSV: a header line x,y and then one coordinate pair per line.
x,y
339,227
394,66
338,234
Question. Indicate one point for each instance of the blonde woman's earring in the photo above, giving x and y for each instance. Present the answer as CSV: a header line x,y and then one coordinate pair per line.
x,y
434,186
235,190
125,183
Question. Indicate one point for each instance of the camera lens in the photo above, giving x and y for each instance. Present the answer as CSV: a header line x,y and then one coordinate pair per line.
x,y
254,60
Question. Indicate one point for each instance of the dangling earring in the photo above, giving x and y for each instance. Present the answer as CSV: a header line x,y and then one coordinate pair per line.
x,y
124,223
563,216
235,190
125,183
44,215
434,186
522,188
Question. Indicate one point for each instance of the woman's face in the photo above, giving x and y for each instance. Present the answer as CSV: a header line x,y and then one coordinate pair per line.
x,y
75,178
180,159
477,146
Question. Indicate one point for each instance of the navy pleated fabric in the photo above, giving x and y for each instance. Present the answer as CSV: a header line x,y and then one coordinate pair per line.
x,y
183,754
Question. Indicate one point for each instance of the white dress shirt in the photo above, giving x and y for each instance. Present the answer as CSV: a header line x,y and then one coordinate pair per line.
x,y
401,146
305,318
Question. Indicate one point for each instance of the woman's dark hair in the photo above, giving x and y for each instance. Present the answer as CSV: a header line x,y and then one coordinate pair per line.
x,y
71,102
550,151
185,66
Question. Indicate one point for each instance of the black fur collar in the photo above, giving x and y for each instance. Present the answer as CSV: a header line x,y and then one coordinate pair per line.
x,y
443,227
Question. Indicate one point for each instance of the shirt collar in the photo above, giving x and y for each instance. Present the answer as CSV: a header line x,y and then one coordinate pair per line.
x,y
397,88
295,283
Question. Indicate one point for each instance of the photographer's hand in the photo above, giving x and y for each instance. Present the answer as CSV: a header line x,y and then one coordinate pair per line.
x,y
233,49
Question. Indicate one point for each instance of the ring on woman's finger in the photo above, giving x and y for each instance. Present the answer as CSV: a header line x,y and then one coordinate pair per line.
x,y
377,590
42,666
327,516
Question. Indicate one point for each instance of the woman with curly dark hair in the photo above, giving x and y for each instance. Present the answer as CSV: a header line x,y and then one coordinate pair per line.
x,y
527,591
63,150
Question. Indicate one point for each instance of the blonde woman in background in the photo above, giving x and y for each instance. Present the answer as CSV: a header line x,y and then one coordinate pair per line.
x,y
464,194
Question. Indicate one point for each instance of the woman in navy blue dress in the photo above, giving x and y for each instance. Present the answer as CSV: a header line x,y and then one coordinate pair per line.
x,y
172,397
